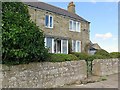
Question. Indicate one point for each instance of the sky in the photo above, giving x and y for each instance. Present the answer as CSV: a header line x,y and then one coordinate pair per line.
x,y
103,17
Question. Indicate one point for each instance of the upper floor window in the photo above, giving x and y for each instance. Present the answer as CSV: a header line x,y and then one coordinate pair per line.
x,y
49,21
74,26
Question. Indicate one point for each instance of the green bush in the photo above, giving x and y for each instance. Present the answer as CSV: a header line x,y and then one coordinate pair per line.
x,y
103,53
81,56
61,57
115,55
84,56
98,57
22,40
92,57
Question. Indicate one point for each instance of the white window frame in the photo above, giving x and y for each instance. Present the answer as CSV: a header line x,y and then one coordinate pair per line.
x,y
52,45
78,24
73,45
67,46
71,29
78,28
77,41
49,21
76,47
45,40
62,46
74,27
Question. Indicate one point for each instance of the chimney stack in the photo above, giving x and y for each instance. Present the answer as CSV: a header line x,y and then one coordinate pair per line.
x,y
71,7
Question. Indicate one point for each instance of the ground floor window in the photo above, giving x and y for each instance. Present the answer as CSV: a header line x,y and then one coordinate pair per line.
x,y
49,42
56,45
64,46
76,46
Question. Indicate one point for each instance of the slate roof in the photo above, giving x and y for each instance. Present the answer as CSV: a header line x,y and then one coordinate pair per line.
x,y
54,9
94,46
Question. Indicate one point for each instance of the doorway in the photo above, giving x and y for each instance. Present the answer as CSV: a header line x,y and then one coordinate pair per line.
x,y
57,46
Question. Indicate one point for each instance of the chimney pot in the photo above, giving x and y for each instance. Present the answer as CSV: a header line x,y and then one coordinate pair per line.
x,y
71,7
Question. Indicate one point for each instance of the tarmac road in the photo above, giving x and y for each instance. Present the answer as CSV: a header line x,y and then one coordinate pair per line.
x,y
110,82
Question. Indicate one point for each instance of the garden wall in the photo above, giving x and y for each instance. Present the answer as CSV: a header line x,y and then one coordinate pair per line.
x,y
41,75
103,67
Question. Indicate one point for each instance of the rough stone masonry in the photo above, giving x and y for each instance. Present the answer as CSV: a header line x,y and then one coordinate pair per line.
x,y
102,67
50,75
43,75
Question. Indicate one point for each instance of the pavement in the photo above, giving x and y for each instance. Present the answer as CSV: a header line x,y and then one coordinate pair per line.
x,y
110,81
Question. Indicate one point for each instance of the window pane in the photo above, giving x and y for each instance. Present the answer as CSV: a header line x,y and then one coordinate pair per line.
x,y
46,20
51,21
45,42
74,26
73,45
78,46
64,46
70,25
49,44
78,25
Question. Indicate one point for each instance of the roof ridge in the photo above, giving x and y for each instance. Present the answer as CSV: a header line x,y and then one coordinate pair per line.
x,y
62,9
53,8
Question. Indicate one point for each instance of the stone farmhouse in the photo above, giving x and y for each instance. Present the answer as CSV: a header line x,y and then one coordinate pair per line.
x,y
64,30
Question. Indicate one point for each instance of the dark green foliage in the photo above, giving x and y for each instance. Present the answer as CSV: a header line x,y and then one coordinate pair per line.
x,y
87,57
23,41
100,54
81,56
92,57
61,57
103,53
115,55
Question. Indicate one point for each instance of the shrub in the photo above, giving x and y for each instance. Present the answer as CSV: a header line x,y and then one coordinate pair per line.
x,y
22,40
115,55
84,56
61,57
92,57
81,56
98,56
103,53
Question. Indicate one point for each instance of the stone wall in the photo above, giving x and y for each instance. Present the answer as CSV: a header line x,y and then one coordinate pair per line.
x,y
40,75
103,67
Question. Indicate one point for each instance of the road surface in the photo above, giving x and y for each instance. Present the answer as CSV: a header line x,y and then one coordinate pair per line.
x,y
110,81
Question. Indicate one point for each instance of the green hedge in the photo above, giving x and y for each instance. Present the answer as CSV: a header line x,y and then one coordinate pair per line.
x,y
87,57
81,56
115,55
92,57
61,57
106,55
72,57
103,53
